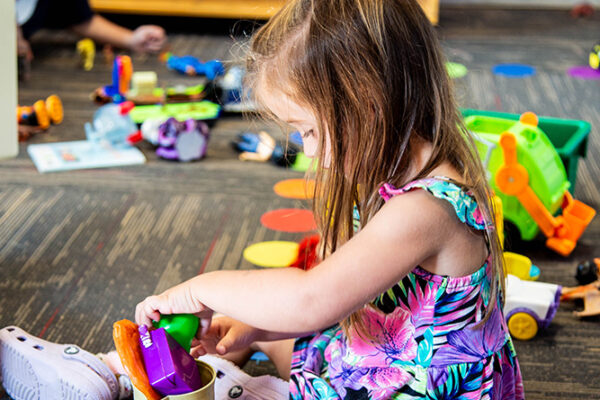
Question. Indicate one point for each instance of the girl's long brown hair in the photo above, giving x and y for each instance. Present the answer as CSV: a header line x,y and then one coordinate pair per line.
x,y
373,73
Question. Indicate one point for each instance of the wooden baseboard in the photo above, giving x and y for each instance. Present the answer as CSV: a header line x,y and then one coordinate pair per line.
x,y
432,9
236,9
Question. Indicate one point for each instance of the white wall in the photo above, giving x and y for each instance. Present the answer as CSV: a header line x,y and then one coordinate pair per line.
x,y
8,80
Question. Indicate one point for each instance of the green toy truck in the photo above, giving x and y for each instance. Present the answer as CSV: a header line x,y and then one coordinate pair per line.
x,y
527,173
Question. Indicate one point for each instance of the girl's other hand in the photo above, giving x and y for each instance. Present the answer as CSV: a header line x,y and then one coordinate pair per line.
x,y
177,300
225,335
148,39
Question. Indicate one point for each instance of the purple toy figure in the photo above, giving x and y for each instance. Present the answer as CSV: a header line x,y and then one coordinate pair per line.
x,y
170,369
183,141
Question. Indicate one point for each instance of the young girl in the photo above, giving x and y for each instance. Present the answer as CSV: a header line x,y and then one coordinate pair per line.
x,y
406,302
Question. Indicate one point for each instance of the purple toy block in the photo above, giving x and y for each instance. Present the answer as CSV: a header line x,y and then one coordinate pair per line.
x,y
171,370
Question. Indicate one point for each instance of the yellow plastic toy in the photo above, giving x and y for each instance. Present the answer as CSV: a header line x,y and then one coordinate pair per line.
x,y
87,52
520,266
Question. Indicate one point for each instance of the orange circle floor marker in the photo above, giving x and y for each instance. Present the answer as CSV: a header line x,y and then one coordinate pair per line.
x,y
275,254
295,188
289,220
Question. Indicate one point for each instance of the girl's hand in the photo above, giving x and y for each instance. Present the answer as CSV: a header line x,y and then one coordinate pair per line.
x,y
148,39
177,300
224,336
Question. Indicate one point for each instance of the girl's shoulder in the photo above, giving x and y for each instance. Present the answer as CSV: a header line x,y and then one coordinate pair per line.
x,y
428,191
443,213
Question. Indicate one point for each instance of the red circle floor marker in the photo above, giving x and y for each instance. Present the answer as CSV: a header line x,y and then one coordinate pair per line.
x,y
289,220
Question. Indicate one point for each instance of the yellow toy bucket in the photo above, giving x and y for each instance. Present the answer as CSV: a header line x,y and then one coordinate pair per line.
x,y
206,392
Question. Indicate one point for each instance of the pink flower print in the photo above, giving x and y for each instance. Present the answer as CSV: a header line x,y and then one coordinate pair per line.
x,y
383,382
478,216
393,339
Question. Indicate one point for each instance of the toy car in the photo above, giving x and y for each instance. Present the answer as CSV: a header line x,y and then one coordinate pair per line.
x,y
529,306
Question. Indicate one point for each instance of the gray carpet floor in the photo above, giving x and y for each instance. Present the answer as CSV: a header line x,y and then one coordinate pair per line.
x,y
79,249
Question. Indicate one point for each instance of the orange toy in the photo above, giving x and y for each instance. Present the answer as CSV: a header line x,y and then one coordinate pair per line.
x,y
590,294
512,179
126,338
42,113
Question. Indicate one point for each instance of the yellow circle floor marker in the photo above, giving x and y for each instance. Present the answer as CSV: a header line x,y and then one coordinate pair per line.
x,y
275,254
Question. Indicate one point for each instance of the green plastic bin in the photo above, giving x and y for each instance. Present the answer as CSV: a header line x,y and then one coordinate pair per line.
x,y
568,136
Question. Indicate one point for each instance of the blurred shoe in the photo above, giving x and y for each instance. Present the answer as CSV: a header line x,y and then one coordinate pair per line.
x,y
32,368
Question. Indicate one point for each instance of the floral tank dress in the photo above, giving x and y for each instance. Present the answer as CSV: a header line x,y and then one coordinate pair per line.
x,y
425,344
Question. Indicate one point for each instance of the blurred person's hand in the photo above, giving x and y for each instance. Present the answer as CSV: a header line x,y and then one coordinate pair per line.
x,y
23,47
148,39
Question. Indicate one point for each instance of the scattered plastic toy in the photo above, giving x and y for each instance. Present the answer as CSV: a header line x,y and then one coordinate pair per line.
x,y
529,306
590,294
232,95
181,327
594,59
307,256
588,271
121,77
526,172
87,52
520,266
42,113
582,10
112,124
192,66
180,141
262,147
171,369
258,357
144,88
201,110
127,343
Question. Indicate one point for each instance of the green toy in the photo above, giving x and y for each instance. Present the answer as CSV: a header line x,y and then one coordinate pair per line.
x,y
202,110
181,327
568,136
528,175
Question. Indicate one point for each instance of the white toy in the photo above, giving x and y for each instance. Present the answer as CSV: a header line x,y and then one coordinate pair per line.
x,y
529,306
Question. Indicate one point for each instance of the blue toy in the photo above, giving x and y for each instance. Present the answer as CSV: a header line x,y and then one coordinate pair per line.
x,y
121,77
111,124
190,65
262,147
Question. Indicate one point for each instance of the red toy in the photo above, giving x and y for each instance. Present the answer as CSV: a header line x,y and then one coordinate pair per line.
x,y
307,253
